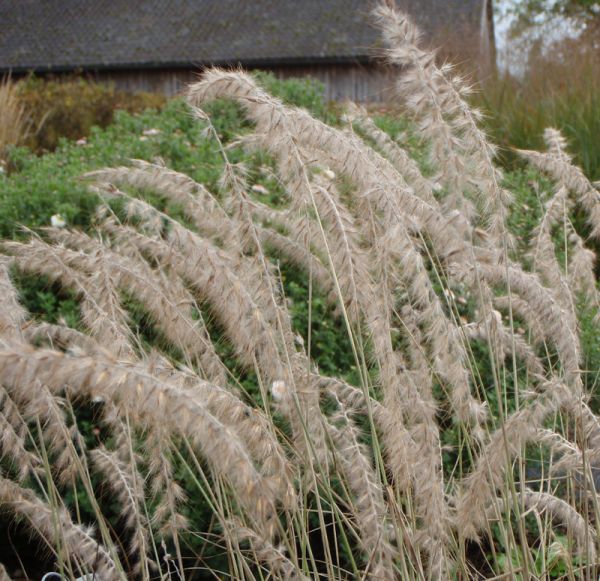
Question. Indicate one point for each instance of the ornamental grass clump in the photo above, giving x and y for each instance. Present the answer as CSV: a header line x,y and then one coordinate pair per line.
x,y
14,123
461,443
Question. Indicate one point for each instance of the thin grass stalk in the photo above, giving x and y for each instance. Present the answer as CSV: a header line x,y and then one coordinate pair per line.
x,y
78,542
147,400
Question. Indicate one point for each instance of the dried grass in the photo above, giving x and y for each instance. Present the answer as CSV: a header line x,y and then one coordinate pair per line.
x,y
13,120
309,453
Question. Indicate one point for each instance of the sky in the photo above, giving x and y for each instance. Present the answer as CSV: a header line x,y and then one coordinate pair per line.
x,y
501,21
510,52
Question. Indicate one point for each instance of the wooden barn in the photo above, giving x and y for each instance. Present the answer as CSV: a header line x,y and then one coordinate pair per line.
x,y
158,45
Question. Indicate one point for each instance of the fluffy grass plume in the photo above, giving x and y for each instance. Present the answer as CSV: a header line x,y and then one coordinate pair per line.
x,y
460,444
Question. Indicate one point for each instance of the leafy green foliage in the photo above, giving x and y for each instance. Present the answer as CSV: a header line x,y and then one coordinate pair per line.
x,y
36,187
303,92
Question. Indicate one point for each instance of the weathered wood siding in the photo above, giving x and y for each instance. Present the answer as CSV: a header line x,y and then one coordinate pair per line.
x,y
359,82
167,81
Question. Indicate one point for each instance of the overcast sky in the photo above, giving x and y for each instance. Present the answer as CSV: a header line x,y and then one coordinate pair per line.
x,y
503,18
501,21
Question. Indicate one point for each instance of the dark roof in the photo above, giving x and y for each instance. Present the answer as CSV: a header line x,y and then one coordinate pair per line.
x,y
45,35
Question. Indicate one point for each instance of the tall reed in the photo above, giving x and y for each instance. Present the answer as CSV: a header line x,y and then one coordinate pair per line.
x,y
13,120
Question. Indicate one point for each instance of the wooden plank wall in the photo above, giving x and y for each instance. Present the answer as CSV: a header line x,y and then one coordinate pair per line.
x,y
358,82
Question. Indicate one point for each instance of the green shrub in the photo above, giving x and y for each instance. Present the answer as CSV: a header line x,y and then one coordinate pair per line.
x,y
304,92
39,187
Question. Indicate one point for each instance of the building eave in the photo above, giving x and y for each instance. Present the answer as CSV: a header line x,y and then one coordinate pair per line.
x,y
191,64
